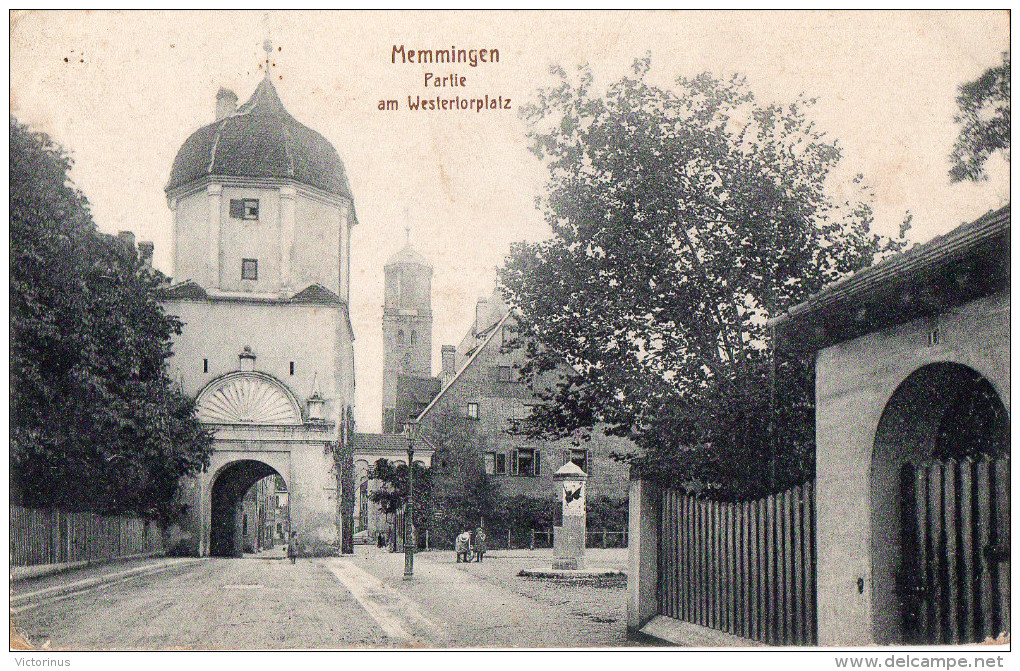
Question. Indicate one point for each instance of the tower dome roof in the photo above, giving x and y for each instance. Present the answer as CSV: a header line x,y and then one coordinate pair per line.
x,y
408,256
260,139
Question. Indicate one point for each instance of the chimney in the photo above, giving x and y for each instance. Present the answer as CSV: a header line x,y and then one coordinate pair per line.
x,y
481,314
226,103
127,238
145,249
449,361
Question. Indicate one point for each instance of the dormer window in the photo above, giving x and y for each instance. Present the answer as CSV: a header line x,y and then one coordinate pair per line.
x,y
244,208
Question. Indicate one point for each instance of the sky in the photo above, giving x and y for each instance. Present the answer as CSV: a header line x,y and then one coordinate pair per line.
x,y
123,90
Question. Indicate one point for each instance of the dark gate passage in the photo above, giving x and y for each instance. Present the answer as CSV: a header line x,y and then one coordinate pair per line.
x,y
954,585
228,489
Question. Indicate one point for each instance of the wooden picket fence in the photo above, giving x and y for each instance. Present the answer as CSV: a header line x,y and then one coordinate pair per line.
x,y
955,579
745,568
55,537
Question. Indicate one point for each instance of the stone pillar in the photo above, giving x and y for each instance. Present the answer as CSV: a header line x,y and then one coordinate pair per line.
x,y
642,549
569,535
345,251
288,196
174,265
215,193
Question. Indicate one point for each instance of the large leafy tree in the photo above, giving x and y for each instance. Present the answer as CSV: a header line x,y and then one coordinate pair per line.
x,y
682,219
983,121
392,493
96,422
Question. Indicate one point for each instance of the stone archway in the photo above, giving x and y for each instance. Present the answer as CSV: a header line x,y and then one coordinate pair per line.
x,y
228,489
940,411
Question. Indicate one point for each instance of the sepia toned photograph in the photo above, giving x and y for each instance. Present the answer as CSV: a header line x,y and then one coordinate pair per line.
x,y
511,330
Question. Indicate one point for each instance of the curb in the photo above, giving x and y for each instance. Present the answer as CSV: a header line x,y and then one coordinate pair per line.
x,y
22,573
596,578
96,581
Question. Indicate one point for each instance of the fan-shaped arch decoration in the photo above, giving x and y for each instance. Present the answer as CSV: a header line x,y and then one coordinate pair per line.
x,y
247,398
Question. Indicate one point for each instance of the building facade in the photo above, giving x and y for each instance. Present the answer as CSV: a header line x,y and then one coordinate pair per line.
x,y
484,388
262,219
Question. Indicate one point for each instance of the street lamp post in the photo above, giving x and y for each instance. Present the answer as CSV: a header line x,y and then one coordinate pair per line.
x,y
409,428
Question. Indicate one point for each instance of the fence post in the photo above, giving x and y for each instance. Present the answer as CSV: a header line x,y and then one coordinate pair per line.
x,y
643,549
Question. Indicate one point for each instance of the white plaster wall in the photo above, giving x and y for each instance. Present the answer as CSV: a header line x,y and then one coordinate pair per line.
x,y
245,239
317,244
855,381
191,234
315,338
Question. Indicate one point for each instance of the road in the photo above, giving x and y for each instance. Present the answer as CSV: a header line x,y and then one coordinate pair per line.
x,y
234,604
351,602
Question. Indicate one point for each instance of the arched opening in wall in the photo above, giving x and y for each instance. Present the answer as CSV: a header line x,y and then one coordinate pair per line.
x,y
944,416
250,510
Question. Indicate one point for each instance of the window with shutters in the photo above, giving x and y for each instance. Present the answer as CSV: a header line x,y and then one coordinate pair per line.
x,y
579,457
244,208
472,410
526,462
505,374
500,464
249,269
490,463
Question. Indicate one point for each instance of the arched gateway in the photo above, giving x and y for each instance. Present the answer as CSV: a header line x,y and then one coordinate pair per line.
x,y
912,403
261,432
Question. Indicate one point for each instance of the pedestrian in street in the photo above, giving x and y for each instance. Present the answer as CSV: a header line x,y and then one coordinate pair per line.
x,y
480,545
291,547
462,546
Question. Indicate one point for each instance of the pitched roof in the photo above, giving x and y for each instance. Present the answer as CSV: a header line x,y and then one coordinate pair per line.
x,y
408,256
467,364
316,293
260,139
968,262
379,442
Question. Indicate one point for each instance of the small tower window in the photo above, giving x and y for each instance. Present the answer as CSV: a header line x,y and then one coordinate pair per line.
x,y
400,337
205,365
414,338
244,208
291,367
249,269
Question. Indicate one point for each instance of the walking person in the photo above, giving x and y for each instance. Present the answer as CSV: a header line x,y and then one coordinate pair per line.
x,y
462,546
292,547
480,545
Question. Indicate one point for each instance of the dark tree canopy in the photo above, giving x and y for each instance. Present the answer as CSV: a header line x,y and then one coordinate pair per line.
x,y
392,493
96,422
682,220
983,121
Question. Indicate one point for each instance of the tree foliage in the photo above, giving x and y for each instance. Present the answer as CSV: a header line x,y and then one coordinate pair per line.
x,y
96,422
682,220
983,121
392,494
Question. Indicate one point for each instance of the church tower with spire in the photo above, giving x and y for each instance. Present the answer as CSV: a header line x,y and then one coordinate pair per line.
x,y
407,326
